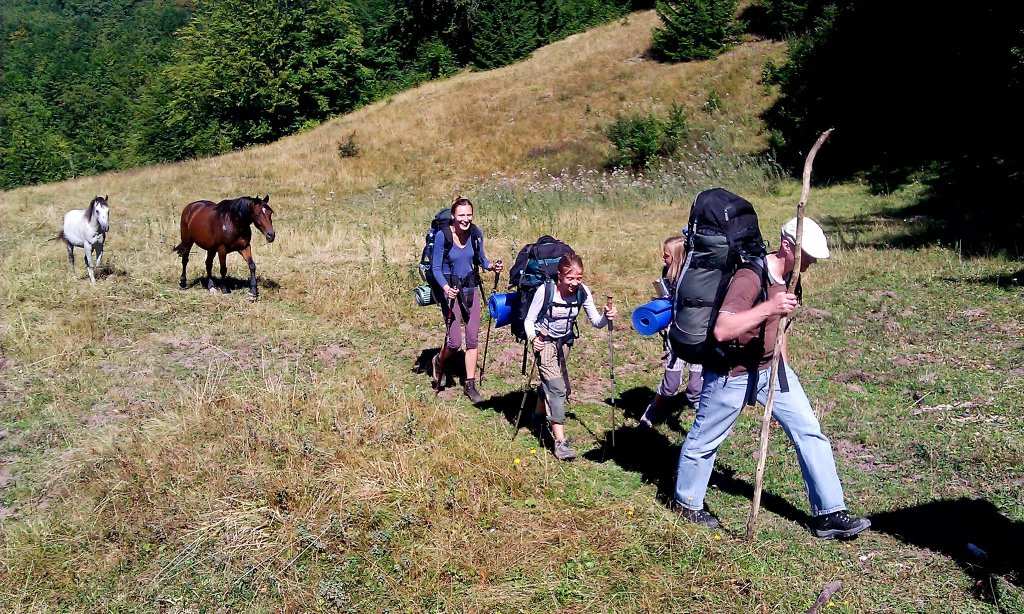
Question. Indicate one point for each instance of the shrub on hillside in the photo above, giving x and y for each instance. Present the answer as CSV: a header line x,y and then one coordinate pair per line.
x,y
639,139
782,19
348,148
693,29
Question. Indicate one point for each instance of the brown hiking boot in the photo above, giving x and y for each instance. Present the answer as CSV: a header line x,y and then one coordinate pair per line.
x,y
435,371
563,451
469,388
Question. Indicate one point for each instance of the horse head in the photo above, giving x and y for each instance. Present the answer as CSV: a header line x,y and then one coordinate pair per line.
x,y
99,211
262,215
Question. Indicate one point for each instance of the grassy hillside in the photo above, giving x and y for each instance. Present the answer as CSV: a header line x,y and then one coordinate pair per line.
x,y
180,450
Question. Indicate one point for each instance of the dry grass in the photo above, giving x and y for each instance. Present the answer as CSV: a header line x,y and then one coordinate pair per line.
x,y
178,450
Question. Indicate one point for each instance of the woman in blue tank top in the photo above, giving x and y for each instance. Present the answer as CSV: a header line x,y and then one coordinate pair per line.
x,y
457,274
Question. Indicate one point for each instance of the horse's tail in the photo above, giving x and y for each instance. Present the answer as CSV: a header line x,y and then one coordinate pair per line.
x,y
60,236
180,248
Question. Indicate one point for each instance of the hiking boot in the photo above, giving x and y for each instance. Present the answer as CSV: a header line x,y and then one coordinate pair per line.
x,y
469,388
563,451
703,518
435,372
838,524
647,419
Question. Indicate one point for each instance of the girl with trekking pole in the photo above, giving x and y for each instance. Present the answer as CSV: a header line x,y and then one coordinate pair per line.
x,y
551,328
455,265
673,254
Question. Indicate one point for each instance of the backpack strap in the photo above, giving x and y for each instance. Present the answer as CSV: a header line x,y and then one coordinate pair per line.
x,y
476,239
446,231
549,297
576,302
750,396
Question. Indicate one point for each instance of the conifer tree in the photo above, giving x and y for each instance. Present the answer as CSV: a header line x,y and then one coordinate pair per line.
x,y
503,31
693,29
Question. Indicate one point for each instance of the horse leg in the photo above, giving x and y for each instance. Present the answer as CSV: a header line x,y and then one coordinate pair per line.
x,y
71,255
209,269
247,254
98,246
89,264
222,253
186,248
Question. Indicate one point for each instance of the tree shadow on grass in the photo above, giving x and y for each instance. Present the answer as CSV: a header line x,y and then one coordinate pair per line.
x,y
972,532
939,216
1008,281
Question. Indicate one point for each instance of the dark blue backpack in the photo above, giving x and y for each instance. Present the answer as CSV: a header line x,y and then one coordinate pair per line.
x,y
443,222
535,264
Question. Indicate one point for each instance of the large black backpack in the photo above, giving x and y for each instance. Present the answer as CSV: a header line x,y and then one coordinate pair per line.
x,y
443,222
535,264
722,237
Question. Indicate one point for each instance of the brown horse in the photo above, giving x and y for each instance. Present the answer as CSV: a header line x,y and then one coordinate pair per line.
x,y
223,227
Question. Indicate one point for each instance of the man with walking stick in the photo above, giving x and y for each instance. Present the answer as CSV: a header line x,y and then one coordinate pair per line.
x,y
745,321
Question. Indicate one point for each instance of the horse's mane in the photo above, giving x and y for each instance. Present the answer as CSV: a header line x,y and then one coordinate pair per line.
x,y
237,208
91,209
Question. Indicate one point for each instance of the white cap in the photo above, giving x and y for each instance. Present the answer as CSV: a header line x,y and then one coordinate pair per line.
x,y
814,244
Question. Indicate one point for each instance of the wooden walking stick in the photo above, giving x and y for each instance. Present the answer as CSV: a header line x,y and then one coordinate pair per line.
x,y
780,337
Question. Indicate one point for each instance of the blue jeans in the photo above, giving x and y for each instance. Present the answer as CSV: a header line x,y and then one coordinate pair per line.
x,y
720,403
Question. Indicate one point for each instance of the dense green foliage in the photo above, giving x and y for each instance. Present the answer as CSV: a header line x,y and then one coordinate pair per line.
x,y
640,139
693,29
231,83
69,75
93,85
936,101
784,18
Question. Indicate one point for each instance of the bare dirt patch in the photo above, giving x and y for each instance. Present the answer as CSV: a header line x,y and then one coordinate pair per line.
x,y
6,479
509,356
332,353
859,456
856,375
812,314
103,413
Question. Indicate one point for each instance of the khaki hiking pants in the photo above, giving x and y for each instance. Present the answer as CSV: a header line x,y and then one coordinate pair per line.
x,y
552,385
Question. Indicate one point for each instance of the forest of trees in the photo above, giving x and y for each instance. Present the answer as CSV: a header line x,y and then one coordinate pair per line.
x,y
916,91
94,85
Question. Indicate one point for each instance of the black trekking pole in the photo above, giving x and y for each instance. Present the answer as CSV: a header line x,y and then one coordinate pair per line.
x,y
448,321
611,369
522,402
490,321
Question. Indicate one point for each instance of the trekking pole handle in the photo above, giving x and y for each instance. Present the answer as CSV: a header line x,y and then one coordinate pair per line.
x,y
609,299
497,276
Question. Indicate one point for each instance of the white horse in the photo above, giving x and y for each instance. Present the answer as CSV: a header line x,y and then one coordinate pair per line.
x,y
87,228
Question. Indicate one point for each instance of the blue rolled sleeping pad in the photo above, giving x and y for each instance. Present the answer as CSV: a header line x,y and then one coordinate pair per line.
x,y
652,317
500,306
